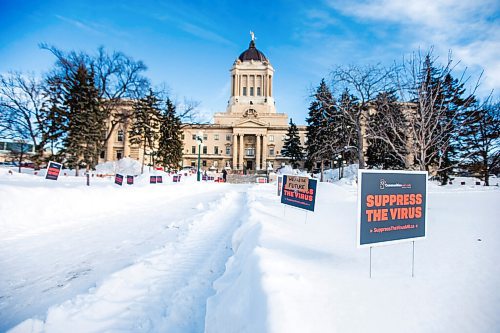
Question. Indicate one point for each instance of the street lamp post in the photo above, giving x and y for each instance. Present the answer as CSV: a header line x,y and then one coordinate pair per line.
x,y
199,138
340,164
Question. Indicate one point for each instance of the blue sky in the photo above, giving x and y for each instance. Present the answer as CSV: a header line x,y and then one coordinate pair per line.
x,y
191,45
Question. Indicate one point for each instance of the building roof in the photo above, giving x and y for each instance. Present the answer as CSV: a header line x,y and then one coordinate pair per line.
x,y
252,54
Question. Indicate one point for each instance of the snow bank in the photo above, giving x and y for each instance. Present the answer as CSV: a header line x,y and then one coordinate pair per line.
x,y
125,166
301,272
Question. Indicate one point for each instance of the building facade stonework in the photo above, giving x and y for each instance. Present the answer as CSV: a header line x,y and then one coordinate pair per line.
x,y
250,135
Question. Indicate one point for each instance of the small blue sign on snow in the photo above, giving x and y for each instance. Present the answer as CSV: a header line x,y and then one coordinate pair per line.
x,y
53,170
152,179
130,180
299,192
119,179
159,179
280,184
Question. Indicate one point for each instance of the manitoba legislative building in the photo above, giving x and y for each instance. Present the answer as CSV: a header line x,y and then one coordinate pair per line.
x,y
250,135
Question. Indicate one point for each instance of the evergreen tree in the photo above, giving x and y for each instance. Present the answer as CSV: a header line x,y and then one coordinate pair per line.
x,y
145,125
320,127
348,106
85,121
481,140
455,114
291,147
54,115
170,143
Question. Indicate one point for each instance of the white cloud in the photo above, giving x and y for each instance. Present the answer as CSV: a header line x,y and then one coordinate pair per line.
x,y
468,28
203,33
79,24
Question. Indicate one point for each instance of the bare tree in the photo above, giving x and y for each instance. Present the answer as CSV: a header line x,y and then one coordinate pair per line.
x,y
364,83
388,122
433,115
21,104
118,78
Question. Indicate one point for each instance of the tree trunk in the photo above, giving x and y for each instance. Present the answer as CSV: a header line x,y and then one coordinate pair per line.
x,y
486,173
20,160
322,169
143,156
361,157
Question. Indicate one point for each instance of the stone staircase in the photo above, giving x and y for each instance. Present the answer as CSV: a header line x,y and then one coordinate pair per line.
x,y
241,179
244,179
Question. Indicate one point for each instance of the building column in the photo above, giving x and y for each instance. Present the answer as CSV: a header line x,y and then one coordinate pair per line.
x,y
109,149
264,85
236,84
264,152
235,151
126,143
257,153
242,150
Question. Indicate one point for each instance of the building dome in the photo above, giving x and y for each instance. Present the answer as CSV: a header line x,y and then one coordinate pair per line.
x,y
252,54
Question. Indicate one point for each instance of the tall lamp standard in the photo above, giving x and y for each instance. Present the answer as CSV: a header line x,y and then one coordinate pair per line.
x,y
199,138
340,164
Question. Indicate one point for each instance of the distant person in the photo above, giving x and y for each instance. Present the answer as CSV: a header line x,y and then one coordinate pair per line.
x,y
224,175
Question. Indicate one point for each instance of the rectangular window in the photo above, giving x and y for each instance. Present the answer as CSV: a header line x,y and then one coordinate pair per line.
x,y
228,150
204,163
194,136
271,151
258,91
244,91
182,136
119,154
216,136
103,154
216,150
204,149
120,135
250,151
251,91
193,163
271,138
228,137
193,149
205,137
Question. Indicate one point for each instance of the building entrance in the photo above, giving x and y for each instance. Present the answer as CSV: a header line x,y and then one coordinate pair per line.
x,y
249,165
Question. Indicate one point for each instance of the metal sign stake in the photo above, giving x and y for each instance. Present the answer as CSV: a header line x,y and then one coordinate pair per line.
x,y
413,261
370,262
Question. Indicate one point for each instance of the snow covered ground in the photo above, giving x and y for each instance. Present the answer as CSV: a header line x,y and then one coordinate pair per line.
x,y
194,257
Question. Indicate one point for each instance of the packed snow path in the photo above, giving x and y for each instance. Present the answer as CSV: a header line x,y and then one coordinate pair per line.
x,y
165,290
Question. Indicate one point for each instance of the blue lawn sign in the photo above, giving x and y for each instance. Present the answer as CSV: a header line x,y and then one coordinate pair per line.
x,y
391,206
280,184
119,179
152,179
176,178
53,170
159,179
299,192
261,180
130,180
